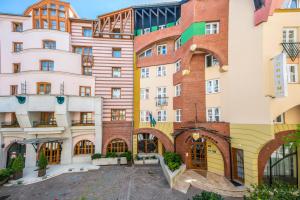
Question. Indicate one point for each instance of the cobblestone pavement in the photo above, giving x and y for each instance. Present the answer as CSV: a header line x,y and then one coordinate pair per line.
x,y
108,183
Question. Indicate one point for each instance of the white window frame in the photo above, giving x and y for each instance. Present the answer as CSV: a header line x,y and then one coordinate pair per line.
x,y
290,3
144,53
178,115
144,117
178,43
209,30
161,71
160,49
146,31
212,86
144,93
214,114
178,66
145,72
285,37
214,61
177,90
163,26
162,116
289,73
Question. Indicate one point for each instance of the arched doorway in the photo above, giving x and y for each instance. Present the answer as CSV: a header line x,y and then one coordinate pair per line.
x,y
117,146
282,165
15,150
147,143
52,151
198,154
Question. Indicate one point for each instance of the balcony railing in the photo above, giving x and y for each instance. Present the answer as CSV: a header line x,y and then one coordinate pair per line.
x,y
161,101
87,60
51,123
13,124
83,123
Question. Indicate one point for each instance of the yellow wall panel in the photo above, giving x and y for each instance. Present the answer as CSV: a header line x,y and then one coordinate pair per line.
x,y
215,161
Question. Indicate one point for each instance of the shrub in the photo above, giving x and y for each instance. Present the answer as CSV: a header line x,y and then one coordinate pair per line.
x,y
208,196
43,162
96,156
172,160
18,164
128,155
277,191
5,173
111,155
11,163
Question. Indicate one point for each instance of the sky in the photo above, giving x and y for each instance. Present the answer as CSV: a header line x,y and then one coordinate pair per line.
x,y
85,8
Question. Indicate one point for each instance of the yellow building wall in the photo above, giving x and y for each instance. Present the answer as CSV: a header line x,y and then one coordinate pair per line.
x,y
165,127
136,97
215,162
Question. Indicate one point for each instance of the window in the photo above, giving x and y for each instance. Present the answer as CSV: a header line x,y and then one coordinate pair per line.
x,y
161,99
37,12
144,117
84,147
212,86
45,24
162,49
84,91
178,115
43,88
238,164
212,28
87,70
83,50
116,52
53,25
53,12
86,118
162,116
116,32
47,65
61,7
177,90
161,71
62,26
146,31
213,114
178,66
49,44
116,93
289,35
145,73
210,61
146,53
293,4
61,14
117,146
52,6
280,119
17,27
292,70
118,114
116,72
177,43
44,12
14,90
37,24
16,67
160,27
86,32
18,46
144,93
147,143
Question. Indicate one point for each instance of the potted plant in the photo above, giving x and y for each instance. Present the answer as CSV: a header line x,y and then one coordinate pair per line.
x,y
42,164
4,175
17,167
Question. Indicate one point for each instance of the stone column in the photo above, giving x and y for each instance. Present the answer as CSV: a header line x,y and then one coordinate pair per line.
x,y
98,125
31,156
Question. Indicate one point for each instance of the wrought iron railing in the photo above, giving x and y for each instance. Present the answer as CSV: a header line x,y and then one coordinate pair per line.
x,y
161,101
292,49
87,60
12,124
50,123
83,122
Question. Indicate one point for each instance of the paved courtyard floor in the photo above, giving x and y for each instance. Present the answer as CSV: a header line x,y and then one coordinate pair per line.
x,y
107,183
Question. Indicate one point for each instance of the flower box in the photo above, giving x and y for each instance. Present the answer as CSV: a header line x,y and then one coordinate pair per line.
x,y
110,161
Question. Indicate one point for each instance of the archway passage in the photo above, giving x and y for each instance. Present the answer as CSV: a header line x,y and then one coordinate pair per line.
x,y
275,147
52,151
161,137
15,150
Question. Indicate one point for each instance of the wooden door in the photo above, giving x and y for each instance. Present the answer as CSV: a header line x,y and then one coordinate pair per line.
x,y
238,165
198,155
52,151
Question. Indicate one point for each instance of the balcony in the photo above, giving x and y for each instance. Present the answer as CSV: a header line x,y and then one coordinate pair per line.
x,y
87,60
83,123
41,124
161,101
12,124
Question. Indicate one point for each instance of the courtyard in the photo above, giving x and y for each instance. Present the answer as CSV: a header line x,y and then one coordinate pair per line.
x,y
107,183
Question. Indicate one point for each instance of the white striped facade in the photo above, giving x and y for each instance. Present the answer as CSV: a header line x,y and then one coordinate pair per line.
x,y
102,69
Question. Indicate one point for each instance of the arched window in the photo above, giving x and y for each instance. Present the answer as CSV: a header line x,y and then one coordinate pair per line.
x,y
147,143
14,151
84,147
117,145
282,165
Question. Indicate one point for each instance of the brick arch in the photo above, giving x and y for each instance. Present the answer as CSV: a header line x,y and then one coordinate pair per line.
x,y
104,148
183,145
267,150
168,144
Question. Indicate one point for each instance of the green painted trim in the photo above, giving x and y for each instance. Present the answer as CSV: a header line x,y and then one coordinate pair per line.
x,y
139,32
154,28
197,28
170,24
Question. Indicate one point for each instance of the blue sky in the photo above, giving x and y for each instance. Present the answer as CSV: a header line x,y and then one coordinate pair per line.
x,y
85,8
